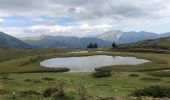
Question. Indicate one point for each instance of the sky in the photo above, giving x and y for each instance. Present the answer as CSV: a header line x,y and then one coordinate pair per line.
x,y
25,18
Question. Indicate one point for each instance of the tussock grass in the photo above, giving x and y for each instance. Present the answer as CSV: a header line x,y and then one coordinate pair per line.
x,y
153,91
150,79
159,73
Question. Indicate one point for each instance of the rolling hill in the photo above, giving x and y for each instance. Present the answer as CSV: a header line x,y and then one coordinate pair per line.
x,y
7,41
160,44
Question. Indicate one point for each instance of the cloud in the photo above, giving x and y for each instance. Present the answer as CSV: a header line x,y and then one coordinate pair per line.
x,y
2,20
71,30
83,16
85,8
14,31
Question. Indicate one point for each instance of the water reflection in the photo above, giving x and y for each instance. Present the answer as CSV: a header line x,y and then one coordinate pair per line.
x,y
89,63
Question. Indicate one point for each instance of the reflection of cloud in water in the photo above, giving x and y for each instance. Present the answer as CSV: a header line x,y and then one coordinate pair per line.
x,y
89,63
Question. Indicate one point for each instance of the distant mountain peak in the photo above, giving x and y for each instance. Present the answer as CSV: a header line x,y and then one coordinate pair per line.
x,y
121,37
104,39
65,41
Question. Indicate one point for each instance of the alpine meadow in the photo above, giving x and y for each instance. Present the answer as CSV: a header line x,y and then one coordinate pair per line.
x,y
84,50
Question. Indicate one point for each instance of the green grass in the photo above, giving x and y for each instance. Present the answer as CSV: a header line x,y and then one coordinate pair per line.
x,y
28,60
120,84
152,44
159,73
19,69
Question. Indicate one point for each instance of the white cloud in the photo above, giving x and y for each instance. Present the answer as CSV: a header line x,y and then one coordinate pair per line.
x,y
2,20
91,16
14,31
51,28
71,30
86,9
77,29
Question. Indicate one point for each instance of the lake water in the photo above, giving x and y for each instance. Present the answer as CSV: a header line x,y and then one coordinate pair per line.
x,y
89,63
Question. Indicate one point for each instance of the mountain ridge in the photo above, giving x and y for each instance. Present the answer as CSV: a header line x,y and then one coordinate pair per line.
x,y
103,39
12,42
121,37
64,41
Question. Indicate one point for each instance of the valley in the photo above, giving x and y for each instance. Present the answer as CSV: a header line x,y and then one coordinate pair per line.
x,y
84,50
22,73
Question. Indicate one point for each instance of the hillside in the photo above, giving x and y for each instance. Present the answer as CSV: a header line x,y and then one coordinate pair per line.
x,y
121,37
10,41
160,44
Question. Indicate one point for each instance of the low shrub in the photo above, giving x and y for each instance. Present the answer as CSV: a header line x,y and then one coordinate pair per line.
x,y
48,79
37,81
48,92
153,91
133,75
61,84
33,81
150,79
29,93
5,78
66,96
28,80
160,73
82,92
2,91
99,74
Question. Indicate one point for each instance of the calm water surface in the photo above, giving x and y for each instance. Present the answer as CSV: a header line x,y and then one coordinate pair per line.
x,y
89,63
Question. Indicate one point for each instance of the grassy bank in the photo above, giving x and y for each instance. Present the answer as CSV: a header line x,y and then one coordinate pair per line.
x,y
28,60
21,74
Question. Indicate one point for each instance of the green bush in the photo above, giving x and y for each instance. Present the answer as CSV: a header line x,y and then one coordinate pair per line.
x,y
5,78
150,79
48,92
66,96
28,80
153,91
160,73
133,75
48,79
99,74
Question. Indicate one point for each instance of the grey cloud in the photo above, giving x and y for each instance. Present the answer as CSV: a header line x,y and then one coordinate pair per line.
x,y
84,9
72,10
117,13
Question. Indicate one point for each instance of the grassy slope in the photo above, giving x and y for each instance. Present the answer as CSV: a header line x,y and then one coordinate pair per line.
x,y
158,61
28,61
120,81
120,84
161,43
